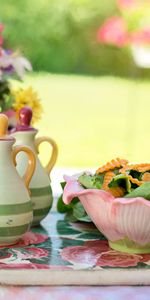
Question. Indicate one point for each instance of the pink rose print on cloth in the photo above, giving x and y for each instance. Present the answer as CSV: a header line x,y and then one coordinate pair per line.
x,y
33,266
30,238
86,255
31,253
80,255
117,259
98,254
5,256
19,255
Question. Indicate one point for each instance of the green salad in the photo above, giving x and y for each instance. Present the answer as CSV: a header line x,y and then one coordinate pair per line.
x,y
116,177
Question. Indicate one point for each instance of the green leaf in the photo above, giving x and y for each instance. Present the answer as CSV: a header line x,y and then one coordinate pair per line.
x,y
91,181
63,184
142,191
92,236
61,207
86,181
64,228
122,181
70,217
74,211
85,218
135,174
79,213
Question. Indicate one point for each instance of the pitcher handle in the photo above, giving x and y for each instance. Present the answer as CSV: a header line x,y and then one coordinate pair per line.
x,y
54,154
31,162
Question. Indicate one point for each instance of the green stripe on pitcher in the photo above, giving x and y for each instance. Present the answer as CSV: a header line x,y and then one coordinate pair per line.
x,y
13,231
37,220
15,209
41,212
43,191
42,202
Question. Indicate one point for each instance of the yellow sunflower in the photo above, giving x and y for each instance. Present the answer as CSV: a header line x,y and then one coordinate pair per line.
x,y
27,97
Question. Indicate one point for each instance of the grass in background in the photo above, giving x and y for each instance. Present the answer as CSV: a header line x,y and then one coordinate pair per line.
x,y
94,119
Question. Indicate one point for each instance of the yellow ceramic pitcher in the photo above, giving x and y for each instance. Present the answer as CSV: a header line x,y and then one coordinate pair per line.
x,y
16,211
41,193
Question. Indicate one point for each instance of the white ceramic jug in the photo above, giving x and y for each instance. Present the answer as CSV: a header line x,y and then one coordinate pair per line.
x,y
41,193
16,211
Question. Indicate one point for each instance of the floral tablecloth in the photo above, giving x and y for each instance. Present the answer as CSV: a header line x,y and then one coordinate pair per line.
x,y
60,247
63,253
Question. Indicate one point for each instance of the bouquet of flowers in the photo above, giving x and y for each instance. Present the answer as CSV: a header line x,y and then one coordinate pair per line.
x,y
131,28
14,65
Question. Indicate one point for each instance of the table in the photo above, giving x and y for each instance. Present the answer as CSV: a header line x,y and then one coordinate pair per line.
x,y
74,292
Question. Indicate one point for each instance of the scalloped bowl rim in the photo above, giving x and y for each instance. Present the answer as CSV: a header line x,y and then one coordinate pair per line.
x,y
114,200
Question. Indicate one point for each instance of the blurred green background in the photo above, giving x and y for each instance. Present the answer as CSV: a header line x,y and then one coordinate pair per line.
x,y
60,36
93,118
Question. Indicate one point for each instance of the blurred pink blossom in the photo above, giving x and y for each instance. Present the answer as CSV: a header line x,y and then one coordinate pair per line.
x,y
131,4
13,62
1,38
128,4
1,27
140,37
114,32
119,30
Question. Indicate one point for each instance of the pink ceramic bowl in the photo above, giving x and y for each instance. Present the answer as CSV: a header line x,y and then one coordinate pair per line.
x,y
124,222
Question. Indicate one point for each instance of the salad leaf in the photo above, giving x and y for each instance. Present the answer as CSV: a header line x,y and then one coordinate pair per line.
x,y
141,191
63,184
61,207
70,217
91,181
136,174
74,211
122,181
79,213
